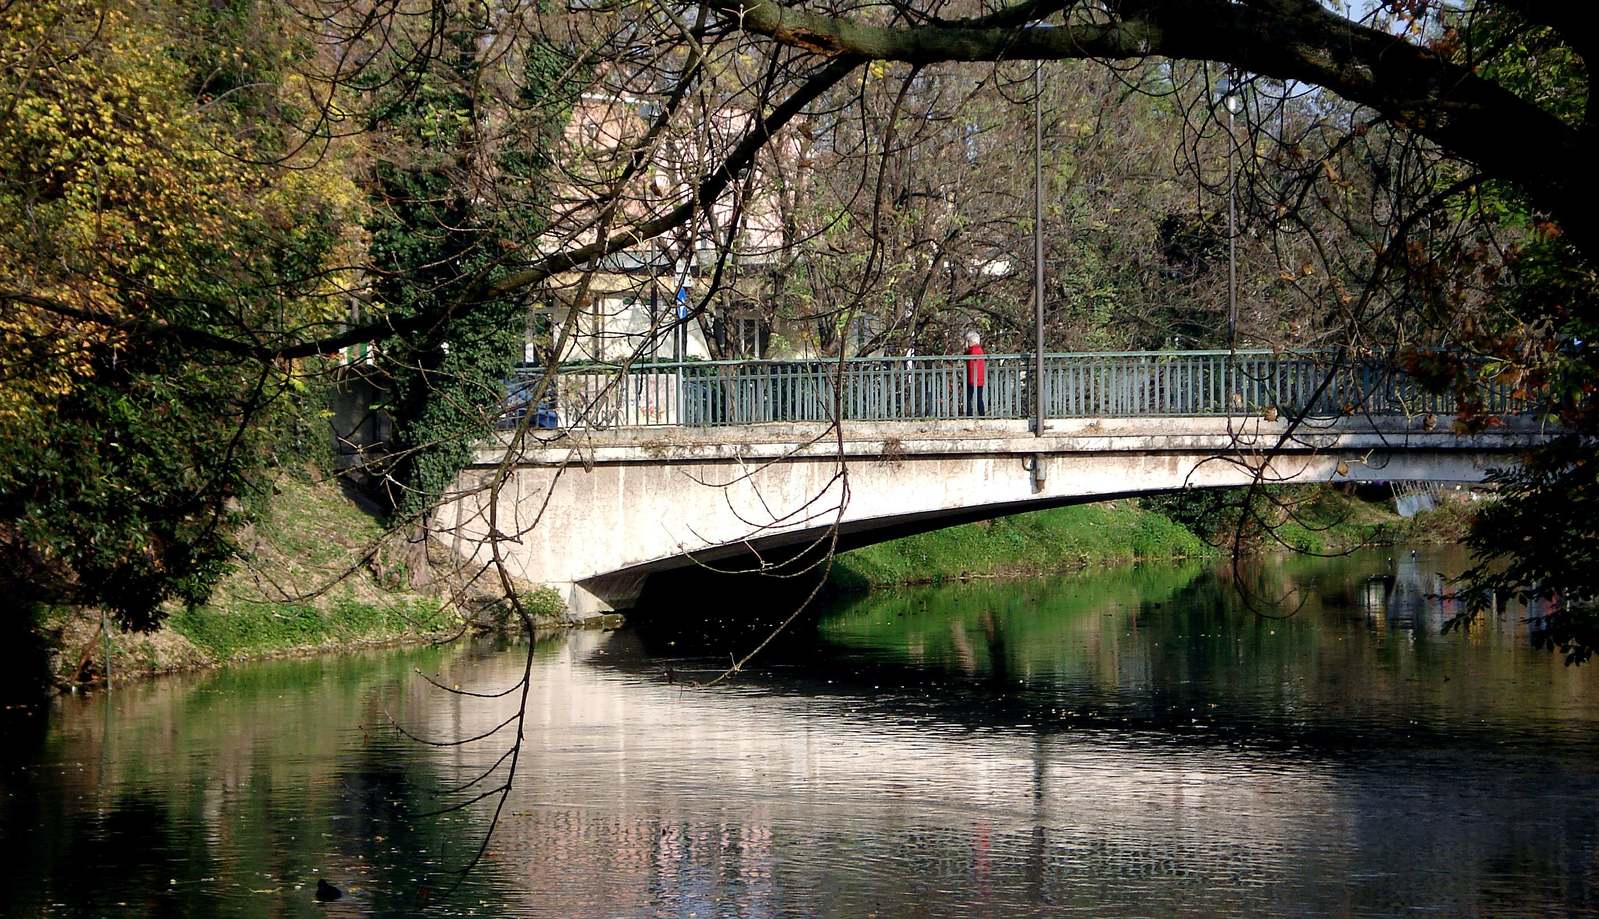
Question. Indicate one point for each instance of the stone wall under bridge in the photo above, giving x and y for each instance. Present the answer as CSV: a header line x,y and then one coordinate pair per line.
x,y
613,507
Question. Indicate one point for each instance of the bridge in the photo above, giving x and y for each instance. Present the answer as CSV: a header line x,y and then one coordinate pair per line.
x,y
652,467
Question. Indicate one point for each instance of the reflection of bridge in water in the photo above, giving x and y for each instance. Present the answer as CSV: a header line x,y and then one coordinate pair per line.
x,y
1412,594
1408,592
1114,725
660,466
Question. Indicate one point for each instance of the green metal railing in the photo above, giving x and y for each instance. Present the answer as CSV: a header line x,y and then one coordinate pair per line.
x,y
916,388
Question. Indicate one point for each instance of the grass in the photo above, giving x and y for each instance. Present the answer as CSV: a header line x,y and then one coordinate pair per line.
x,y
1323,520
1051,540
1327,520
257,630
304,584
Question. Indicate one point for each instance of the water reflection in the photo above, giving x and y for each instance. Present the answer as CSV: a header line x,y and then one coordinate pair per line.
x,y
225,794
1128,741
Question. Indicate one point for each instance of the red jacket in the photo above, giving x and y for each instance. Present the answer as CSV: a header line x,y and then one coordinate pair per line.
x,y
976,367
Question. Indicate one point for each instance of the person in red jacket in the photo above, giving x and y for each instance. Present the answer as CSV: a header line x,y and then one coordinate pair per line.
x,y
976,375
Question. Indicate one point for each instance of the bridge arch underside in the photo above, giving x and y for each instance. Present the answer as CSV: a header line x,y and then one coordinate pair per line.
x,y
607,527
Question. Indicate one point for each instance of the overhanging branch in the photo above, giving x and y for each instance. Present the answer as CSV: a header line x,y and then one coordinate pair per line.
x,y
1292,40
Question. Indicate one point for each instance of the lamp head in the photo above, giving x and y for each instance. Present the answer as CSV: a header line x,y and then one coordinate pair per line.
x,y
1227,94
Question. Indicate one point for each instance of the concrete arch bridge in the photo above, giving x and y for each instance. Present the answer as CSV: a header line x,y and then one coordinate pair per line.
x,y
662,466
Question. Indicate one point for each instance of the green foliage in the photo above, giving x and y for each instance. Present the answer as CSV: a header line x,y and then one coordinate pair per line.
x,y
544,603
1323,519
1211,513
1305,518
1534,62
132,499
436,243
1214,514
1535,345
1042,541
127,464
1541,542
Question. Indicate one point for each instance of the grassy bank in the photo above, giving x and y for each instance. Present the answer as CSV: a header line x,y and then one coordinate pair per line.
x,y
1312,519
1052,540
309,581
305,582
1324,520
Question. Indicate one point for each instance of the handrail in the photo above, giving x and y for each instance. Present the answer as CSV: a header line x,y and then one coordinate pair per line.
x,y
588,366
932,387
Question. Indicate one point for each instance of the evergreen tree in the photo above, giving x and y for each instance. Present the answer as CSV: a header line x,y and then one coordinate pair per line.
x,y
453,205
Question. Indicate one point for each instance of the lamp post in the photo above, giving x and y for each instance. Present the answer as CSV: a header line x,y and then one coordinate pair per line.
x,y
1038,248
1233,104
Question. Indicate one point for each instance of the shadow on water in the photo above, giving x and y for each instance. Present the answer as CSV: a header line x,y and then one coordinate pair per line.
x,y
1324,654
24,661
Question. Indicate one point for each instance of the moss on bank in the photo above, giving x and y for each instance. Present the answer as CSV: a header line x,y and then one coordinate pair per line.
x,y
1042,541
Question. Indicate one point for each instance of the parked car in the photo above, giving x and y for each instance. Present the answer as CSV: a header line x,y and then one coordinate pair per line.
x,y
519,402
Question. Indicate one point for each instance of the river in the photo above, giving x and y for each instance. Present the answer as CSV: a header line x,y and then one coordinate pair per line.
x,y
1134,741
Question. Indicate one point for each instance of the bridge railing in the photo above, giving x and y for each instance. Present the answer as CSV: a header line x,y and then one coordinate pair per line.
x,y
921,387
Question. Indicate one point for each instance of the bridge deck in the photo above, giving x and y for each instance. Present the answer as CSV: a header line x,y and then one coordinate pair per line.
x,y
893,439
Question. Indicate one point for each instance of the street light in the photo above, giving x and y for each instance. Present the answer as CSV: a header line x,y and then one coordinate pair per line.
x,y
1233,104
1038,239
1038,248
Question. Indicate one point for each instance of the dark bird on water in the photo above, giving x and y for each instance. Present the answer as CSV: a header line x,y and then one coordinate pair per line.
x,y
327,892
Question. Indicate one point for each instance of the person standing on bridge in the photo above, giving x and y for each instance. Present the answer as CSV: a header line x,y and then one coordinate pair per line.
x,y
976,375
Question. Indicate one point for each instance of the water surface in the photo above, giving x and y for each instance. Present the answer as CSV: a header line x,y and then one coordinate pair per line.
x,y
1136,741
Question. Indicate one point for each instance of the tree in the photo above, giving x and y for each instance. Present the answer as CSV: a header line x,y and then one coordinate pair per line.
x,y
127,461
1372,156
459,182
1400,72
1471,129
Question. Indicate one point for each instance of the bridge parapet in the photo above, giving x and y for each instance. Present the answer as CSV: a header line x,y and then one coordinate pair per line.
x,y
936,387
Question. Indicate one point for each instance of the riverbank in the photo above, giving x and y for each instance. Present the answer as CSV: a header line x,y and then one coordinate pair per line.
x,y
1314,519
1326,520
1040,542
318,575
